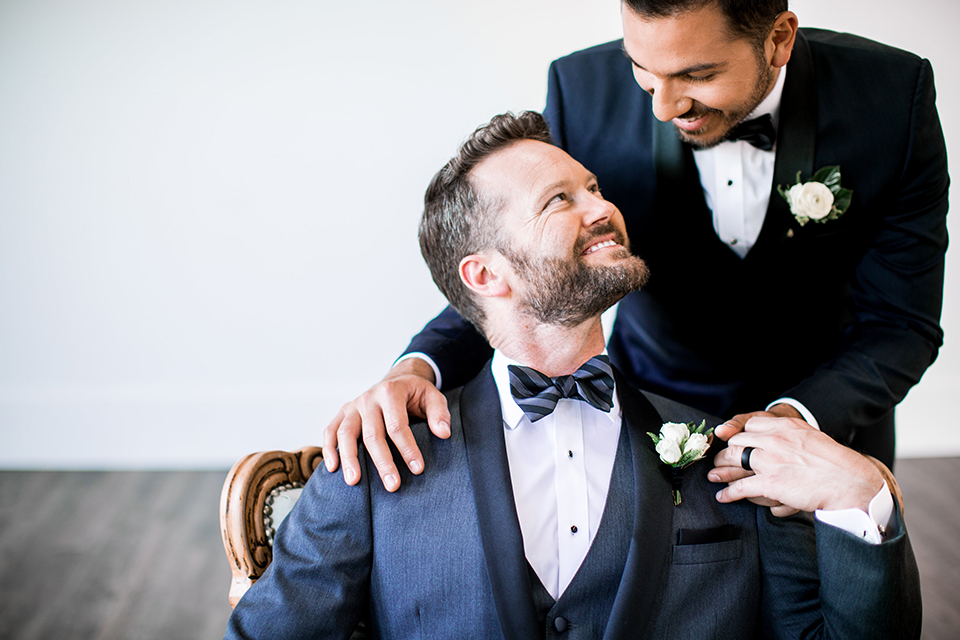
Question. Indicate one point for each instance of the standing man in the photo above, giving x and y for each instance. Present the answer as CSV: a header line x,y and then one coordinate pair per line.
x,y
829,313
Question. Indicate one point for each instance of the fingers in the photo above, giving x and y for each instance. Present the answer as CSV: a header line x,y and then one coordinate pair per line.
x,y
330,456
729,461
743,488
765,502
438,414
731,427
397,429
728,474
375,442
420,398
381,413
737,424
346,438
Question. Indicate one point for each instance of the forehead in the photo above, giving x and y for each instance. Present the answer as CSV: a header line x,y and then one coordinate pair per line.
x,y
662,45
526,169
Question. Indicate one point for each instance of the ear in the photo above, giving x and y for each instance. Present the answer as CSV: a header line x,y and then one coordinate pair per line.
x,y
779,44
481,274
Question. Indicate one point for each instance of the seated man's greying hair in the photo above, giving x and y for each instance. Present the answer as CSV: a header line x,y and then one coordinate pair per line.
x,y
457,220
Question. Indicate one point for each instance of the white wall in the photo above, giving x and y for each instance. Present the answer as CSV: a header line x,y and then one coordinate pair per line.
x,y
206,205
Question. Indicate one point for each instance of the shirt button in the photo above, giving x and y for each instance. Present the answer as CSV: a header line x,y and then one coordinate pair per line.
x,y
560,624
729,183
733,241
569,454
573,529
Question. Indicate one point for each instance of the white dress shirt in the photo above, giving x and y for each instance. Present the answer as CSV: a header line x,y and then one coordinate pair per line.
x,y
737,178
560,468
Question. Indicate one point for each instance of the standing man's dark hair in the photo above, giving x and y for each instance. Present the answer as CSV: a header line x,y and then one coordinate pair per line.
x,y
458,220
750,19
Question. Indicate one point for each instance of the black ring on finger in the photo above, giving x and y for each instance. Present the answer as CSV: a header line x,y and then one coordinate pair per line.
x,y
745,458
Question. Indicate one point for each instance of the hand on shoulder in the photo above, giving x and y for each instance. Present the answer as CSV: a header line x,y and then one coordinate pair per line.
x,y
381,411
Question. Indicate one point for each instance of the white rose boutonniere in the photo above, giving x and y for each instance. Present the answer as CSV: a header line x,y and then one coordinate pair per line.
x,y
680,445
820,199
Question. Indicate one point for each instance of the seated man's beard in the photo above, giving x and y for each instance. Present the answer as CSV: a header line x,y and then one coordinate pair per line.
x,y
567,292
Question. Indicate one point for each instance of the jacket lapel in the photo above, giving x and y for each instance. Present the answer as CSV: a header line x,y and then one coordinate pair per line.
x,y
678,183
500,534
651,546
796,145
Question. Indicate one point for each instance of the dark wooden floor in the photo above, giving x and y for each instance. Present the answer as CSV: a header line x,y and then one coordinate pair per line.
x,y
112,556
137,555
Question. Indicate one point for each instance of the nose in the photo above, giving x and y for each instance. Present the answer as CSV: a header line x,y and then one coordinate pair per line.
x,y
597,210
668,101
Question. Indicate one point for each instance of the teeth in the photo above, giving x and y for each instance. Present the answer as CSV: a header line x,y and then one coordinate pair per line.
x,y
601,245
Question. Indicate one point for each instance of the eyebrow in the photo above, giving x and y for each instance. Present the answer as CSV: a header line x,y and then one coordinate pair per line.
x,y
547,192
703,66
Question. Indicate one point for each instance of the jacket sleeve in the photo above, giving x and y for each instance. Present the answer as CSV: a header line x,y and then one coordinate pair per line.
x,y
317,584
454,345
897,290
822,582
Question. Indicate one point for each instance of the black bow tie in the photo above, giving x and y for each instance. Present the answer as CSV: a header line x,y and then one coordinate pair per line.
x,y
538,394
758,132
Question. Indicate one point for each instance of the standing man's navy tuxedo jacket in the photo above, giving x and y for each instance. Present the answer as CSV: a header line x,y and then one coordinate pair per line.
x,y
842,316
443,556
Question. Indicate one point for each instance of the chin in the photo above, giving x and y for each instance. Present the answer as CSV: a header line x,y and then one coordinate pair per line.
x,y
701,141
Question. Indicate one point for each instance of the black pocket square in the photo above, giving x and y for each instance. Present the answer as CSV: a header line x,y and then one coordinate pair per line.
x,y
723,533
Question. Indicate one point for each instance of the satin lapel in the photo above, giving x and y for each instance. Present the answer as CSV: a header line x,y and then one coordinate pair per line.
x,y
493,493
796,145
651,547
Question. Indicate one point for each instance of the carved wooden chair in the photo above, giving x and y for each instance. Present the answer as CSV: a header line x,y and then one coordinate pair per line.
x,y
257,495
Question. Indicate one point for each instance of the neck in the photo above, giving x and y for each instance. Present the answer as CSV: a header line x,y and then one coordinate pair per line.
x,y
550,349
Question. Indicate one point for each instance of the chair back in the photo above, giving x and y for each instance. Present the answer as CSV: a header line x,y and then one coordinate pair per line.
x,y
257,495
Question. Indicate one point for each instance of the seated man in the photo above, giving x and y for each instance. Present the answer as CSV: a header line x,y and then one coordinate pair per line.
x,y
548,511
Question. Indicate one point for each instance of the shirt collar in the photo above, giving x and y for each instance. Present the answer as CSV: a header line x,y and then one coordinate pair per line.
x,y
513,415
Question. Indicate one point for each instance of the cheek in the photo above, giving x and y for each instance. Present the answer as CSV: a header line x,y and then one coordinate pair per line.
x,y
559,239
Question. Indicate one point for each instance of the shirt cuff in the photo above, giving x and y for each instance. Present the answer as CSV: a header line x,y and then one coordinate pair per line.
x,y
871,528
796,404
428,360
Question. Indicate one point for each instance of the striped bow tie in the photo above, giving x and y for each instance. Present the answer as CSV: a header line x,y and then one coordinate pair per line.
x,y
538,394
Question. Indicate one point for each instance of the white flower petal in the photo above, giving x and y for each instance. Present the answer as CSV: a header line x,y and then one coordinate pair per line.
x,y
675,432
669,451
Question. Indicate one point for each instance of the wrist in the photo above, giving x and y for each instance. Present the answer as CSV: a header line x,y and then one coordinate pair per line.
x,y
786,401
783,410
414,366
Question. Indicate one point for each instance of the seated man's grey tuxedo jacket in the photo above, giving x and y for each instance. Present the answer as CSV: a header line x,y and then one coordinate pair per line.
x,y
443,556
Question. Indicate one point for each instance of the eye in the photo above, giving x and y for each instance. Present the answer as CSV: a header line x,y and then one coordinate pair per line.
x,y
703,78
595,189
560,197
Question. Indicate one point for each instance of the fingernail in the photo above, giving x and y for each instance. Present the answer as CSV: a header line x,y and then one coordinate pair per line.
x,y
390,481
445,426
416,466
713,477
719,494
349,475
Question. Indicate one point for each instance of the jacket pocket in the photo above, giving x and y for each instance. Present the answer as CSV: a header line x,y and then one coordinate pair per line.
x,y
705,553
